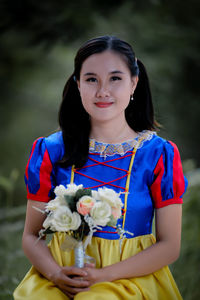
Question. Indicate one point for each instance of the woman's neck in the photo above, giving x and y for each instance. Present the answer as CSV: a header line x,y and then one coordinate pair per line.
x,y
109,132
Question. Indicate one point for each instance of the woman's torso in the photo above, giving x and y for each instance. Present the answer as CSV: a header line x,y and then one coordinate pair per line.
x,y
110,169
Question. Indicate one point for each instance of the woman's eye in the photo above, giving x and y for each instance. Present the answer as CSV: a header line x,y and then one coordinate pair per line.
x,y
91,79
114,78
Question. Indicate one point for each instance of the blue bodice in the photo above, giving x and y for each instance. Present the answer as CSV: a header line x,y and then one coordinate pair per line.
x,y
156,177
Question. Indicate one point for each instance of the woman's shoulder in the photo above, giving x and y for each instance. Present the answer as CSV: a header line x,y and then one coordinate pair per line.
x,y
158,146
159,143
54,145
55,139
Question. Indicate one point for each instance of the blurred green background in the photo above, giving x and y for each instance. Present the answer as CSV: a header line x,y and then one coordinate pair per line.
x,y
38,41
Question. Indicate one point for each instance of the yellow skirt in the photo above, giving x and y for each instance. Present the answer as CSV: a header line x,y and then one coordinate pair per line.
x,y
159,285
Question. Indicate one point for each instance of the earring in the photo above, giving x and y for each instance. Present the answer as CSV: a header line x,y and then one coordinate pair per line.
x,y
132,98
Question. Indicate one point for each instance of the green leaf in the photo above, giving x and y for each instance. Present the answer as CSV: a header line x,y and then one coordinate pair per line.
x,y
83,192
71,202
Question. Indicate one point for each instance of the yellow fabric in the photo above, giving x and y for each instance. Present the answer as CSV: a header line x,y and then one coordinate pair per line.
x,y
157,286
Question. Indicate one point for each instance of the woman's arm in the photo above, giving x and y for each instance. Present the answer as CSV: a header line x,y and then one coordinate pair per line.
x,y
165,251
40,256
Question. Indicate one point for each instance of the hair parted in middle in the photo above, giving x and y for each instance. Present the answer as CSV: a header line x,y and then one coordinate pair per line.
x,y
74,121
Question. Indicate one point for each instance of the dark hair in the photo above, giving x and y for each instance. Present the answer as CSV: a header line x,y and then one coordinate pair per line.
x,y
74,120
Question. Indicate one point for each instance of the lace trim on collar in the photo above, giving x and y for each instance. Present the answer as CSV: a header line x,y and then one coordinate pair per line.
x,y
122,148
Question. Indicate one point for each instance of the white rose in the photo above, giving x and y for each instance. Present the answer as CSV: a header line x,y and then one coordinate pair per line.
x,y
110,196
95,194
60,191
101,213
72,188
85,204
62,219
55,203
48,222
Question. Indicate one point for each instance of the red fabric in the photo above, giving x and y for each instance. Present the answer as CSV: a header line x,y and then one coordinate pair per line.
x,y
156,186
168,202
45,181
178,177
104,231
177,181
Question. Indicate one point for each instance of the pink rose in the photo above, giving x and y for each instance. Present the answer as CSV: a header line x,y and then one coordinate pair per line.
x,y
85,204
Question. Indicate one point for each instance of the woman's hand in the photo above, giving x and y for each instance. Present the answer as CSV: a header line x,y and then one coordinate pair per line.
x,y
70,280
94,275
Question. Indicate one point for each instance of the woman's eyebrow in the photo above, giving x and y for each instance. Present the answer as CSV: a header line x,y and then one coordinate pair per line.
x,y
90,73
112,72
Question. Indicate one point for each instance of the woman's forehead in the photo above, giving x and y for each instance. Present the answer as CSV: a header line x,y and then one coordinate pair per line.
x,y
107,61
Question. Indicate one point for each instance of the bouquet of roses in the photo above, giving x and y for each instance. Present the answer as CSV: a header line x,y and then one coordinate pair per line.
x,y
80,212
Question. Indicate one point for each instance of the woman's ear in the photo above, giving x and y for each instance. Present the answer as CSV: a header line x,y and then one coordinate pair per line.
x,y
78,84
134,83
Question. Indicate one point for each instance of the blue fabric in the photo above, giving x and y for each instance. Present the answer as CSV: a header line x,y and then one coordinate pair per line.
x,y
140,204
34,167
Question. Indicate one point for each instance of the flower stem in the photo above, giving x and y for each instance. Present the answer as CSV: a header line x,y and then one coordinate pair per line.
x,y
82,227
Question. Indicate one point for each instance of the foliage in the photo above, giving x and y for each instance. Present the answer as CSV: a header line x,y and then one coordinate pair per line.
x,y
51,22
7,187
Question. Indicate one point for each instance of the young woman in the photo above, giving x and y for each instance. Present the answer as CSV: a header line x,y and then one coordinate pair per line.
x,y
107,138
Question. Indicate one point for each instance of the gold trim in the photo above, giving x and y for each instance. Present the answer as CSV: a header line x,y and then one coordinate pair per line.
x,y
72,175
128,178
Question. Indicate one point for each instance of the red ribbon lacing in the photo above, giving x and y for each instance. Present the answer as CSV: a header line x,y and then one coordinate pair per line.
x,y
103,183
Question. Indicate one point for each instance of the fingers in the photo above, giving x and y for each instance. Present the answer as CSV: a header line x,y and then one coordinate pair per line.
x,y
74,271
67,274
75,277
87,265
77,282
71,280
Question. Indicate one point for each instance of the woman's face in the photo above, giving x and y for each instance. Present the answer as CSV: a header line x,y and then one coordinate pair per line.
x,y
105,86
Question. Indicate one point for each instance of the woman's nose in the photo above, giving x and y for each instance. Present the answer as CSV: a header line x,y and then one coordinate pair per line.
x,y
103,90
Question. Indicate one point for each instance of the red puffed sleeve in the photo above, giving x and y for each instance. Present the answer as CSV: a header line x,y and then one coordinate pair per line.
x,y
169,183
38,174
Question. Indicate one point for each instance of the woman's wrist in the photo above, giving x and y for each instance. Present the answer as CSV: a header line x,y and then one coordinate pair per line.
x,y
52,274
108,274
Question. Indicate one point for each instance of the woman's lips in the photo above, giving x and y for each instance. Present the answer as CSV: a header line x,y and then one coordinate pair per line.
x,y
103,104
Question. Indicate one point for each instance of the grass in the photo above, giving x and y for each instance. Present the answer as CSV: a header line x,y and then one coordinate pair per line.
x,y
13,263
